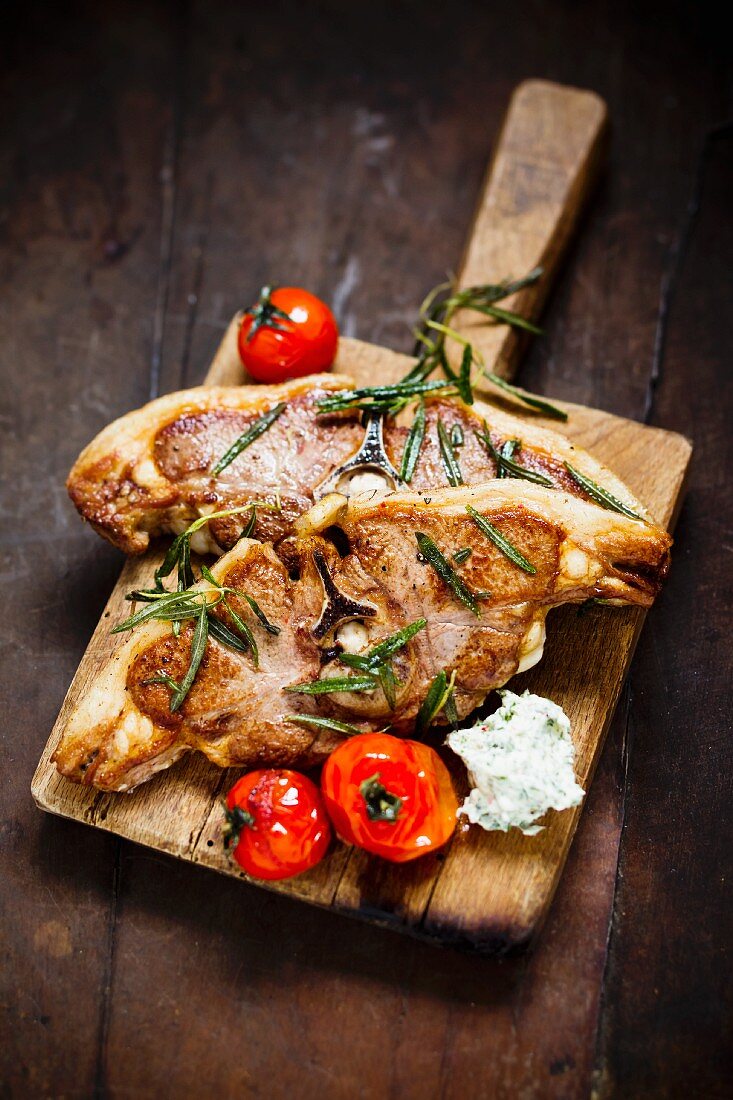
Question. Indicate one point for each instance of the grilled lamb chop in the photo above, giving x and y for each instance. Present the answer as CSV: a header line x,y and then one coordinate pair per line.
x,y
149,472
236,714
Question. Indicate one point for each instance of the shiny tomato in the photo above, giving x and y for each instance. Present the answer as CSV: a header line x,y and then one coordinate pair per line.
x,y
288,333
276,824
392,797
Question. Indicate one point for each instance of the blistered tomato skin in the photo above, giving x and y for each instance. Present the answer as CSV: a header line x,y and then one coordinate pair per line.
x,y
287,334
277,825
392,797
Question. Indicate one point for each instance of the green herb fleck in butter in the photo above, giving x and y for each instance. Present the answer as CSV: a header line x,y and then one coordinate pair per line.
x,y
520,762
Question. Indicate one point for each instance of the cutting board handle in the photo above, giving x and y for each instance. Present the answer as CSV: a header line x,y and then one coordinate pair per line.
x,y
546,161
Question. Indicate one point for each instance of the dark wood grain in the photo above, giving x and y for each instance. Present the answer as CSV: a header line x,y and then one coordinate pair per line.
x,y
89,111
668,1014
160,162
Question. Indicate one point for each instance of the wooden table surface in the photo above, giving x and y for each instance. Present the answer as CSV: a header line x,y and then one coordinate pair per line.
x,y
160,162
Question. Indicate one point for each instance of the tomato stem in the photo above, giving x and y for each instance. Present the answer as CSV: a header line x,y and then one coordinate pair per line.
x,y
236,820
381,804
266,314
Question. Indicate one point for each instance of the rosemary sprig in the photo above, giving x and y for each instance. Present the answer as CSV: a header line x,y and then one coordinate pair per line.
x,y
185,572
264,621
375,667
171,560
438,694
322,723
498,540
534,402
147,595
331,684
388,683
463,382
245,631
489,293
227,637
462,555
378,660
187,602
384,650
448,455
507,452
456,435
436,313
171,607
382,399
413,444
198,648
209,576
239,622
506,467
179,691
599,495
446,330
179,551
508,318
449,706
247,437
446,572
173,685
249,528
237,510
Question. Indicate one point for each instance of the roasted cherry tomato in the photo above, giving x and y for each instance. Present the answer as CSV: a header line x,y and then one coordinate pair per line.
x,y
288,333
392,797
276,824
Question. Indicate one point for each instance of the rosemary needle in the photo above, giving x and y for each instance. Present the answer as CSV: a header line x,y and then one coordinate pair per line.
x,y
448,455
599,495
413,444
322,723
247,437
332,684
446,572
530,399
498,540
438,697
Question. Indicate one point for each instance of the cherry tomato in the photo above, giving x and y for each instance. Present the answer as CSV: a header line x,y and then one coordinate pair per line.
x,y
392,797
276,824
287,334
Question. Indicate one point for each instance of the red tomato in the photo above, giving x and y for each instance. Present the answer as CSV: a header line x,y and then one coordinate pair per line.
x,y
276,823
392,797
287,334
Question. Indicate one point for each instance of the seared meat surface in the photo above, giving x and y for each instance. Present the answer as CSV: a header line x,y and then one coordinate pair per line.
x,y
149,472
236,714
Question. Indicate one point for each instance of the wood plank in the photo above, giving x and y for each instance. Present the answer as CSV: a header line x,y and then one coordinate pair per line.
x,y
488,891
545,165
437,897
671,951
79,266
217,987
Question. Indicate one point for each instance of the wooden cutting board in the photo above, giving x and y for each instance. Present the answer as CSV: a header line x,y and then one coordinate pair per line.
x,y
489,892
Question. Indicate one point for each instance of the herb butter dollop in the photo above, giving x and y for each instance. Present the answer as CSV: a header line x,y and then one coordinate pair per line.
x,y
520,762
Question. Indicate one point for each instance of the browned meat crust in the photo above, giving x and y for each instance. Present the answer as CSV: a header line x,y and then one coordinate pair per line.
x,y
148,472
123,732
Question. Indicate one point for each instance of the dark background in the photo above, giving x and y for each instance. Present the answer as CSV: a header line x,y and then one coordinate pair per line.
x,y
159,162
